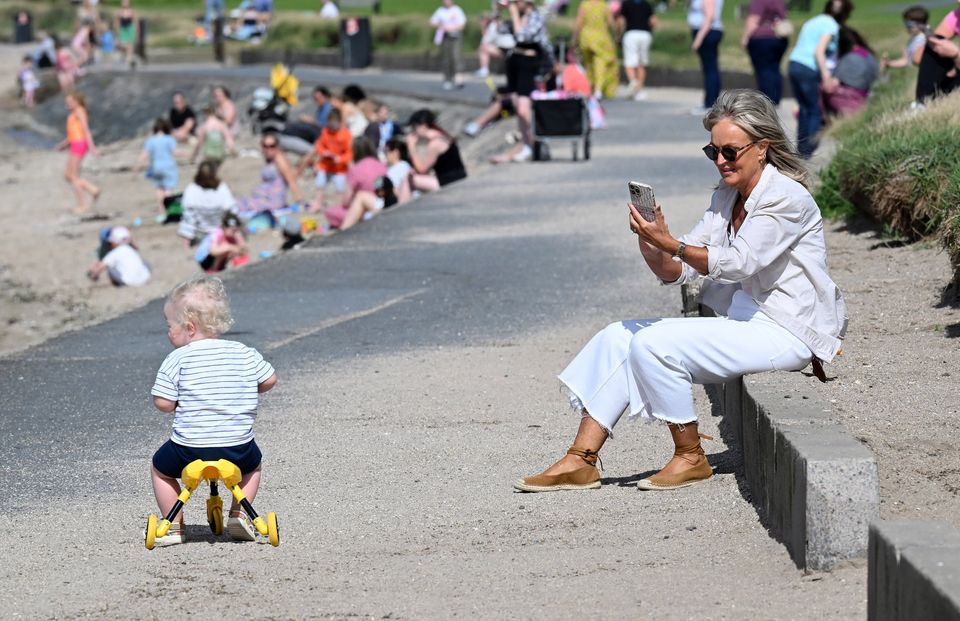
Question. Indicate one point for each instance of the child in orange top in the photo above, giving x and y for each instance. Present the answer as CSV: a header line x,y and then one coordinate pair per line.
x,y
333,153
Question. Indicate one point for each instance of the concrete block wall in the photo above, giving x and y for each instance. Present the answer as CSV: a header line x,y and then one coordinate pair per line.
x,y
815,486
913,571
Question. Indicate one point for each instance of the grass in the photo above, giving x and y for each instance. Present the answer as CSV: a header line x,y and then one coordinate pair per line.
x,y
402,26
899,166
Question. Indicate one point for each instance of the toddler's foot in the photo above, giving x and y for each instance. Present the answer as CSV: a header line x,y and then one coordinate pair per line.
x,y
240,528
176,534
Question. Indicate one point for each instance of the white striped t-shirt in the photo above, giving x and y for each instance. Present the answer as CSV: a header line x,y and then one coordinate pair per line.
x,y
214,383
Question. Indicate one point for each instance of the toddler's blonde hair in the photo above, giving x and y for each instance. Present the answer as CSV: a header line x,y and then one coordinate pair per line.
x,y
202,301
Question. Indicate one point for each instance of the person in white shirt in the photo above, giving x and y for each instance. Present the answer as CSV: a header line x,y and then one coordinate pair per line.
x,y
760,248
123,263
204,202
213,387
449,20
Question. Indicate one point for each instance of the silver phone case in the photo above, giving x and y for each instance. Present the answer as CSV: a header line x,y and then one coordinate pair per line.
x,y
641,195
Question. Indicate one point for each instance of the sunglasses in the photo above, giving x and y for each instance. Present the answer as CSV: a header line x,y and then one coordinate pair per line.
x,y
268,145
729,153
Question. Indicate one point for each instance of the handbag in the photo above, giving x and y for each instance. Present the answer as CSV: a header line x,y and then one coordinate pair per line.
x,y
783,28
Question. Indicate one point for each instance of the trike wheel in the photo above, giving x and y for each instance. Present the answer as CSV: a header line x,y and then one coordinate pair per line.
x,y
215,515
150,535
273,529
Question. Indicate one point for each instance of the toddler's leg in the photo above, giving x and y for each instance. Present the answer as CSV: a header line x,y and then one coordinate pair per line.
x,y
166,490
250,483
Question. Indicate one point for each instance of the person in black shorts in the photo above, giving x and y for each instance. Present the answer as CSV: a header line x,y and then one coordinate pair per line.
x,y
637,22
532,56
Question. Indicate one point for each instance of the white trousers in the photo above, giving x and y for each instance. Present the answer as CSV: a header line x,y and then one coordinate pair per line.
x,y
648,367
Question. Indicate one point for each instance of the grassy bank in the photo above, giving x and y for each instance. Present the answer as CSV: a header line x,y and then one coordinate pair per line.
x,y
899,166
403,27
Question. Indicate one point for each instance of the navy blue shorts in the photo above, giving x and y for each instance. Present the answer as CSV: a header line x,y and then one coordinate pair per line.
x,y
171,458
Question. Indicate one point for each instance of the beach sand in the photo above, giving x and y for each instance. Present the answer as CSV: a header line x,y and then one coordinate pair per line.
x,y
45,250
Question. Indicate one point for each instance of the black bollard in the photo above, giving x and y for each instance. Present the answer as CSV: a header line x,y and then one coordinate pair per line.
x,y
218,53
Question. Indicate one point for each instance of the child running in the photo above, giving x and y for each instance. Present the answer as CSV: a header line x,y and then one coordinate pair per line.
x,y
160,151
79,141
213,387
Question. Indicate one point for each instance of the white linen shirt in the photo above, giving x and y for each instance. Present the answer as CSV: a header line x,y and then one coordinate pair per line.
x,y
778,258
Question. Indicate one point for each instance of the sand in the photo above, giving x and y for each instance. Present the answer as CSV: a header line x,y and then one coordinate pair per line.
x,y
46,250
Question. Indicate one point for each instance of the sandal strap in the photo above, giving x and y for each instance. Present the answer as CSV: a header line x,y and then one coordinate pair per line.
x,y
688,449
589,456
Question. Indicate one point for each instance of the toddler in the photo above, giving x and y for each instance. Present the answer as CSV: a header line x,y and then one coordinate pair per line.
x,y
915,21
28,81
213,387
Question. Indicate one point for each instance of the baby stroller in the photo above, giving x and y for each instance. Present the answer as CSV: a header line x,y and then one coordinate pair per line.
x,y
270,107
560,119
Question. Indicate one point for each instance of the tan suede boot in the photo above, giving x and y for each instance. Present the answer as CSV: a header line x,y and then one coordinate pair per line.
x,y
691,453
585,477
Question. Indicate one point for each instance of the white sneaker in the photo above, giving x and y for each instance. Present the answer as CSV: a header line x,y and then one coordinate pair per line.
x,y
482,72
640,95
525,154
448,86
240,528
917,106
471,129
175,535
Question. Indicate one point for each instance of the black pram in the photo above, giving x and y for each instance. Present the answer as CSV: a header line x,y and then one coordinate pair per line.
x,y
560,119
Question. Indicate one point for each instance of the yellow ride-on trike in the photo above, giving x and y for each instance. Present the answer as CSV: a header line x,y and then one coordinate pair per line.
x,y
193,475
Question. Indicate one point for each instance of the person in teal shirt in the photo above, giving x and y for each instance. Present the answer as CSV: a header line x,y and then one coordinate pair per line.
x,y
811,62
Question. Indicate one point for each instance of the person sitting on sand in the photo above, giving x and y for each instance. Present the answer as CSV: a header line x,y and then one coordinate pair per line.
x,y
277,176
183,120
333,153
214,139
223,246
204,201
361,201
123,263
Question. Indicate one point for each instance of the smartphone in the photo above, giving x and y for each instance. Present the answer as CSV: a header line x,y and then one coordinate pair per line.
x,y
641,195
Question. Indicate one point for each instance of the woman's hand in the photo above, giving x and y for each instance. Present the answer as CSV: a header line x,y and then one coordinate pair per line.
x,y
654,234
943,48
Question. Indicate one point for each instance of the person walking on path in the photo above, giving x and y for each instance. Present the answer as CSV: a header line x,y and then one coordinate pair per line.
x,y
637,22
126,25
591,32
765,47
811,70
531,57
449,20
706,27
79,142
761,246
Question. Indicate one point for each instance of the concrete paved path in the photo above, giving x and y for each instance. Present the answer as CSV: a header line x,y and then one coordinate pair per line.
x,y
417,357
